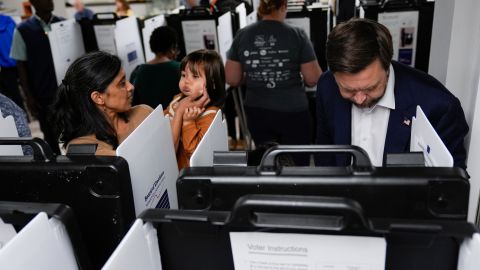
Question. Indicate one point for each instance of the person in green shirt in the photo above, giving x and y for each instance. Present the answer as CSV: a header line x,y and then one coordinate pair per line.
x,y
156,82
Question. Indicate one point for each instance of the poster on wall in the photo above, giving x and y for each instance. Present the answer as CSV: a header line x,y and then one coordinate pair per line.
x,y
225,34
66,43
200,34
150,25
302,23
129,44
403,27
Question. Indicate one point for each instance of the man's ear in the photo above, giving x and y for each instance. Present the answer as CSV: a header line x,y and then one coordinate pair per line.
x,y
97,98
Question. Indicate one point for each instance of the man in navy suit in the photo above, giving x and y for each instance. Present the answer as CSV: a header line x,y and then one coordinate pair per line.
x,y
366,99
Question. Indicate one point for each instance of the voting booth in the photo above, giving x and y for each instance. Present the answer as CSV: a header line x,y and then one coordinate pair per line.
x,y
150,24
396,192
97,188
40,236
410,23
316,21
71,39
284,232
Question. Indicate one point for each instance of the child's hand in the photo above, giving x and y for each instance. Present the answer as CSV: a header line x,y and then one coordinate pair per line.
x,y
189,102
191,114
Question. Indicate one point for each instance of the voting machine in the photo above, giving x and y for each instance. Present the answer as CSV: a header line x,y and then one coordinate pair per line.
x,y
97,188
388,192
293,232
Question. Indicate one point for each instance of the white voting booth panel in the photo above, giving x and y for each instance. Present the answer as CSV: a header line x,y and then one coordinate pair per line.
x,y
9,129
137,250
215,139
302,23
105,36
128,44
252,17
225,35
469,256
150,25
241,10
425,139
66,43
43,244
200,34
152,162
404,27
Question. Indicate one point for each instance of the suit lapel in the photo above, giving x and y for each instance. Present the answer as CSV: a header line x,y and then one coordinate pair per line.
x,y
343,127
400,120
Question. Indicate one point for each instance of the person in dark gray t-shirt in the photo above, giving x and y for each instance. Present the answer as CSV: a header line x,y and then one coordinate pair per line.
x,y
277,60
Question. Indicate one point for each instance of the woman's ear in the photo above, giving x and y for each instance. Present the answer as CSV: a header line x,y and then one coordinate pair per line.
x,y
97,98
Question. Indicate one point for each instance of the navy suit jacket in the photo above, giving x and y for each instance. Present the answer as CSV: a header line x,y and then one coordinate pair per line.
x,y
412,88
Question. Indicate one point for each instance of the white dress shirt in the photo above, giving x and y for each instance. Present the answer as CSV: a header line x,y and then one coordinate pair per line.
x,y
369,125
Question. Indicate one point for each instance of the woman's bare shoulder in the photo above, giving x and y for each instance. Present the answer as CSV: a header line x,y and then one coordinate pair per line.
x,y
140,111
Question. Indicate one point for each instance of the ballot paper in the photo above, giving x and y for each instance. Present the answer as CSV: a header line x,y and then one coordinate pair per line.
x,y
276,251
425,139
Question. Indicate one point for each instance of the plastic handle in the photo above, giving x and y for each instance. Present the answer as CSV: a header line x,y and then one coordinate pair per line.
x,y
291,205
41,150
105,16
360,157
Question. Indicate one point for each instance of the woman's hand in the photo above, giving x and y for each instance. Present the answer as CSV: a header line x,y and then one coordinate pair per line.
x,y
191,114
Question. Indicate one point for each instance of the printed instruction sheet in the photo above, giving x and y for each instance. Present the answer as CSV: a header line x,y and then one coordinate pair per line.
x,y
280,251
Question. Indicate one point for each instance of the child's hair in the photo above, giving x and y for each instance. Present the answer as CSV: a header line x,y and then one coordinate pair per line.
x,y
214,71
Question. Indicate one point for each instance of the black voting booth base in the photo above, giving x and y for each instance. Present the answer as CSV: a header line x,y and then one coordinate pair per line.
x,y
203,236
97,188
403,192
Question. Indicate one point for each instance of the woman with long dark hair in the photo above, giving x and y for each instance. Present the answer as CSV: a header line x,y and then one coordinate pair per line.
x,y
93,104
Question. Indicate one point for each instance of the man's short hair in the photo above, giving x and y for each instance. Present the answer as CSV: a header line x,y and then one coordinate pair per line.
x,y
354,44
163,39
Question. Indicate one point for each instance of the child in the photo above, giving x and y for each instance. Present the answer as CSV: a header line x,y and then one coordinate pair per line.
x,y
202,87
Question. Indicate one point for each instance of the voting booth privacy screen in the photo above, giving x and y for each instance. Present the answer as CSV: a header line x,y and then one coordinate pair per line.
x,y
153,165
40,236
215,139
